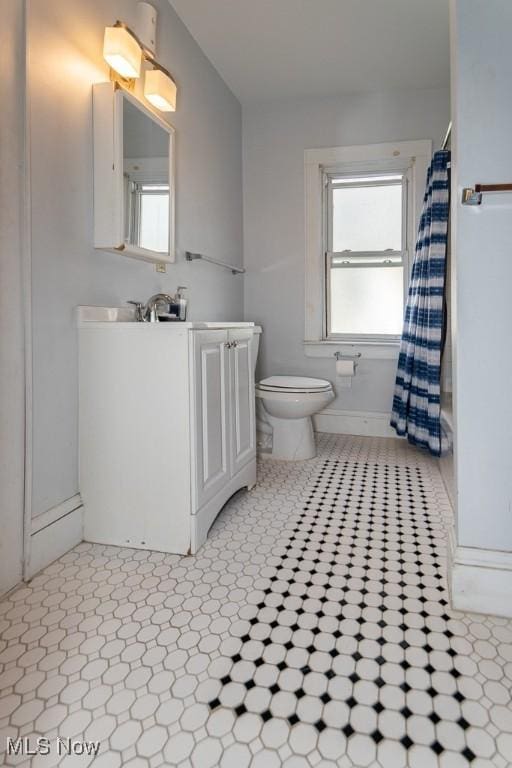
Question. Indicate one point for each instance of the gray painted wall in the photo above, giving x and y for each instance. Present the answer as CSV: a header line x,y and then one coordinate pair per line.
x,y
65,49
275,137
482,272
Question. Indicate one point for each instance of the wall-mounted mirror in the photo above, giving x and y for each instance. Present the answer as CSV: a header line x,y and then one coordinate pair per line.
x,y
134,184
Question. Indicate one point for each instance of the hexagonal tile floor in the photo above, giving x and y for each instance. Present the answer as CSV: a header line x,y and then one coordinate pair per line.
x,y
312,629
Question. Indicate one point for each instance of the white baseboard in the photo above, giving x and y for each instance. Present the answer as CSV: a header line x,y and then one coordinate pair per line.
x,y
54,533
366,423
55,513
446,468
480,579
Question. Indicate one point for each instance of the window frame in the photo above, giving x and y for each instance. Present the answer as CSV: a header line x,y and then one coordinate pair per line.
x,y
329,253
409,157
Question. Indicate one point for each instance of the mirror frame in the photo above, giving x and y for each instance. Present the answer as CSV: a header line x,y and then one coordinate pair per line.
x,y
108,174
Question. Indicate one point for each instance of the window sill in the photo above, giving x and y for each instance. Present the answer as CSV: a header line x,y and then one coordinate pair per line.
x,y
382,350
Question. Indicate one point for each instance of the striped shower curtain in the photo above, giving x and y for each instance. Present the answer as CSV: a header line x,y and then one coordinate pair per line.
x,y
416,403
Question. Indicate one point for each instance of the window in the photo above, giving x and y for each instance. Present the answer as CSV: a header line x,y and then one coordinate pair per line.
x,y
153,216
148,215
365,255
362,205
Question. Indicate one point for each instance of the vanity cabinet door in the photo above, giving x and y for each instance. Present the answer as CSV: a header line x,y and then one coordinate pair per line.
x,y
243,429
210,414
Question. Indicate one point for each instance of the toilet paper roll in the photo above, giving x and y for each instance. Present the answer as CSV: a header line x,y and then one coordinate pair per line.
x,y
345,368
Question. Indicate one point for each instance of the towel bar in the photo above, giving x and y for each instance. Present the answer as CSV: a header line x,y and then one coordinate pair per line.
x,y
234,270
473,195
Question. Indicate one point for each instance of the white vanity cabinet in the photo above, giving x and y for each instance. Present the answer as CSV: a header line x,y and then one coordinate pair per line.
x,y
224,438
167,429
224,418
211,403
243,432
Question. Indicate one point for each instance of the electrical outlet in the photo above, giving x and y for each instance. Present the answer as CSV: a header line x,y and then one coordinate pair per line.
x,y
161,266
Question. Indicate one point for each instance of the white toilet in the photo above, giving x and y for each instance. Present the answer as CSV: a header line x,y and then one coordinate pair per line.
x,y
290,402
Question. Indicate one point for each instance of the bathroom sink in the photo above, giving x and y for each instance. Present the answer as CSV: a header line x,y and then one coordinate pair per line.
x,y
87,314
219,324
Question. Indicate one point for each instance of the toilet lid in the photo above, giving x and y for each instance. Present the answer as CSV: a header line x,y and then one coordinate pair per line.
x,y
294,384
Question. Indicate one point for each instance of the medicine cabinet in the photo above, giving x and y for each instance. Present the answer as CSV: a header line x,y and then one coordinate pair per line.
x,y
134,180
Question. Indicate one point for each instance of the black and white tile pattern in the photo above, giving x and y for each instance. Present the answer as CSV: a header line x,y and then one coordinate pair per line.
x,y
313,629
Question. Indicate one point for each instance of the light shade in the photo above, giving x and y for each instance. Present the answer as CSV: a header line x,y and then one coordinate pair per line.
x,y
122,52
160,90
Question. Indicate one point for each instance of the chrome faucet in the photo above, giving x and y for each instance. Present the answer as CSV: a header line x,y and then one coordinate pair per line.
x,y
150,310
147,313
139,310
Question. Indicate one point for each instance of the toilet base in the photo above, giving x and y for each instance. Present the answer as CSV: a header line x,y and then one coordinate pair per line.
x,y
293,439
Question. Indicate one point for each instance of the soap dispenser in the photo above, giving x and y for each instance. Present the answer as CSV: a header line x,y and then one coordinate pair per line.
x,y
181,302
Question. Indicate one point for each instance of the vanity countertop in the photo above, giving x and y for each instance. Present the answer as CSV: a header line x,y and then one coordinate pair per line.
x,y
107,316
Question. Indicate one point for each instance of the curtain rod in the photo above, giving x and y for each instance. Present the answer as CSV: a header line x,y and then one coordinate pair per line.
x,y
447,135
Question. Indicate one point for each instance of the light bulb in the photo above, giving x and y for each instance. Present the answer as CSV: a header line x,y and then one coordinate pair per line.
x,y
122,52
160,90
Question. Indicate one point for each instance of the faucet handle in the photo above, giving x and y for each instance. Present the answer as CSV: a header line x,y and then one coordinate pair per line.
x,y
139,315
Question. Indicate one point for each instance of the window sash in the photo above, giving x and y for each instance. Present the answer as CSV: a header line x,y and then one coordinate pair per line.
x,y
153,189
384,255
136,191
391,182
377,338
360,259
330,187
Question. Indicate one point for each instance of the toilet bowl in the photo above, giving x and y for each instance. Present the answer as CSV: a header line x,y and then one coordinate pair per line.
x,y
290,402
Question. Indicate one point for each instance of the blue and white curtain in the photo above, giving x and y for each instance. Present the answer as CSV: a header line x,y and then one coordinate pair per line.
x,y
417,400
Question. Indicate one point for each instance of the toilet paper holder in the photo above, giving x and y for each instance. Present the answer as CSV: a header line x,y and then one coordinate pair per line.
x,y
346,366
347,356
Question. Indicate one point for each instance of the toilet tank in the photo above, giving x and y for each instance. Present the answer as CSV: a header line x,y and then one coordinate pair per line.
x,y
255,345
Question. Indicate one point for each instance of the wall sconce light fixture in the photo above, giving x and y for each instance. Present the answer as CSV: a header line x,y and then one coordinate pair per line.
x,y
160,90
121,50
124,52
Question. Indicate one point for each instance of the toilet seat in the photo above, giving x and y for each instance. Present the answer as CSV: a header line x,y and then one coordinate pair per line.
x,y
290,402
293,384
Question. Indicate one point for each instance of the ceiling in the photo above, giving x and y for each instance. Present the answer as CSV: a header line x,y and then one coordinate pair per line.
x,y
276,49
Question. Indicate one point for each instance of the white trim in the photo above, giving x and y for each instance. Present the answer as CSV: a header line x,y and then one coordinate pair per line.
x,y
415,155
366,423
480,579
54,540
26,270
55,513
12,300
373,351
362,153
